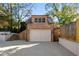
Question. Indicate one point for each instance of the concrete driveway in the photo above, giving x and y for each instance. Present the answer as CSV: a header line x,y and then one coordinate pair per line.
x,y
22,48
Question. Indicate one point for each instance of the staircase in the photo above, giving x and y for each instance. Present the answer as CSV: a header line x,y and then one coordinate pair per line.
x,y
13,37
18,36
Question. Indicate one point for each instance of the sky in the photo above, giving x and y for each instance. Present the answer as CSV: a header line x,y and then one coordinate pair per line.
x,y
39,9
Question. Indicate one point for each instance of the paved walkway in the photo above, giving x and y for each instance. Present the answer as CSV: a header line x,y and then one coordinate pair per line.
x,y
21,48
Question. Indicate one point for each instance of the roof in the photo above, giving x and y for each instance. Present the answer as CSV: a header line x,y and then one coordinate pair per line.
x,y
49,18
39,15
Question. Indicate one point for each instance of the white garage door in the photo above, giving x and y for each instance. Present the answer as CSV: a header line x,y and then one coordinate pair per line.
x,y
40,35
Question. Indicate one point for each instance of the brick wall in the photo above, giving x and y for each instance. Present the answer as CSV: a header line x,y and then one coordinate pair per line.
x,y
22,35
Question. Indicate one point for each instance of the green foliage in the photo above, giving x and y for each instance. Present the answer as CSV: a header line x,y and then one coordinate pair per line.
x,y
4,14
65,13
14,13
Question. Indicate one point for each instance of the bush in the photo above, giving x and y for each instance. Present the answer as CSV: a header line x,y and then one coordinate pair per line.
x,y
4,29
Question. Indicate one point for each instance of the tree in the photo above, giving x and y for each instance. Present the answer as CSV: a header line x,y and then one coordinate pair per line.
x,y
8,7
22,11
64,12
18,12
4,17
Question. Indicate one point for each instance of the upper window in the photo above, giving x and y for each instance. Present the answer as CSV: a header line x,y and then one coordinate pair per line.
x,y
36,20
39,20
43,20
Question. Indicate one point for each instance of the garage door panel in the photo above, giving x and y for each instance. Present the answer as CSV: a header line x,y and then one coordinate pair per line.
x,y
45,35
34,34
40,35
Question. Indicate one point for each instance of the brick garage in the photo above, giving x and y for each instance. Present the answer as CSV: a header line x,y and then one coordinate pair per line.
x,y
43,29
38,28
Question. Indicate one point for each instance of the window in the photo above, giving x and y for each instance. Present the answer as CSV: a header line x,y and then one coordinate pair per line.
x,y
39,20
36,20
43,20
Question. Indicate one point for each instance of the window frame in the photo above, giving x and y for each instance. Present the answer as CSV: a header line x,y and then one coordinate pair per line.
x,y
39,20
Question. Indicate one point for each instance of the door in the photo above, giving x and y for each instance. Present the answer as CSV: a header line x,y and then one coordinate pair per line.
x,y
40,35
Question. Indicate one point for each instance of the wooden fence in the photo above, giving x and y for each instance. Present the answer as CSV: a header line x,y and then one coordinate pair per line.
x,y
70,31
22,35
